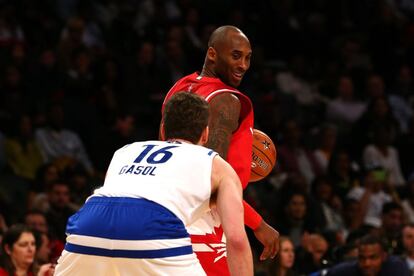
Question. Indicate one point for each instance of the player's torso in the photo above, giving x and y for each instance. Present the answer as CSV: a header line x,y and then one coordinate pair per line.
x,y
240,150
177,176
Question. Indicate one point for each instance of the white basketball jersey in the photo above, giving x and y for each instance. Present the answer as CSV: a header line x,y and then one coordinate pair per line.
x,y
162,172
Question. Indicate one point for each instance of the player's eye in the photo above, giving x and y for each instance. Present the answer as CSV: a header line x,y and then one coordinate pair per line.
x,y
236,56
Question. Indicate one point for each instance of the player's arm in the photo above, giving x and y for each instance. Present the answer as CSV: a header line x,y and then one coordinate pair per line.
x,y
227,187
224,120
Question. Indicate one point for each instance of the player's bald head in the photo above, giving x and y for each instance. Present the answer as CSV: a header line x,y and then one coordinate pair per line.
x,y
228,55
223,34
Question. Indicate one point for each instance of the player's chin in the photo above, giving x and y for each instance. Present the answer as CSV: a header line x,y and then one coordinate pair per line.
x,y
235,82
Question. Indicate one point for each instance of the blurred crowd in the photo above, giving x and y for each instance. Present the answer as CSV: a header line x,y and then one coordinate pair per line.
x,y
331,82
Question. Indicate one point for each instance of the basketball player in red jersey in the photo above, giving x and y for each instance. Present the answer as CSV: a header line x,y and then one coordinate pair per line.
x,y
231,123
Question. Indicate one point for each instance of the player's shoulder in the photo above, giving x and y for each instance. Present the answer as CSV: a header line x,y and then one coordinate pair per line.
x,y
225,101
138,144
201,149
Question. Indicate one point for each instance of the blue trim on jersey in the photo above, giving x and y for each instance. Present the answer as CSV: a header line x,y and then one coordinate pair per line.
x,y
210,152
123,218
138,254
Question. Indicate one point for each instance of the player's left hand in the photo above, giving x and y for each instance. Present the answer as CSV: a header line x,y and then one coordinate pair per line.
x,y
269,237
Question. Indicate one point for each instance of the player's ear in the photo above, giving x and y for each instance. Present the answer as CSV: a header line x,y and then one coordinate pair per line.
x,y
161,134
211,54
204,136
7,249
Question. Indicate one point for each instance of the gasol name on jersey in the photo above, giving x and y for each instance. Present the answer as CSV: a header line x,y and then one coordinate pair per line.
x,y
152,155
135,169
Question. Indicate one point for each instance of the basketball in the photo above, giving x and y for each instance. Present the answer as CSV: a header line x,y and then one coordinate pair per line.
x,y
263,156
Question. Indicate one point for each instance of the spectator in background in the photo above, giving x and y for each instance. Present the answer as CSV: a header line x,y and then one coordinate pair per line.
x,y
18,252
295,220
93,36
36,220
407,202
43,252
404,83
22,151
283,265
122,131
328,204
378,112
372,196
80,94
109,88
141,79
354,57
81,185
392,221
399,107
372,260
382,154
71,39
408,244
59,145
353,217
194,44
403,90
294,81
175,62
344,110
45,175
11,30
79,77
326,144
311,256
13,97
44,78
293,157
19,58
342,172
60,208
405,144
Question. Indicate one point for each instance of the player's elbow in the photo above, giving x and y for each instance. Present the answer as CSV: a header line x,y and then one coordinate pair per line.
x,y
237,241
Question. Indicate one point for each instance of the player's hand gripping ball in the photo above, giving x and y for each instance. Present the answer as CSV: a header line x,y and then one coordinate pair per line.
x,y
263,156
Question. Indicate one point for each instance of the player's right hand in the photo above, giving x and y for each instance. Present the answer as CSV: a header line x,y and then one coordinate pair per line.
x,y
269,237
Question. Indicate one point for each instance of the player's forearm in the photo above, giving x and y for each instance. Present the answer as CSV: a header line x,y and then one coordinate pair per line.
x,y
239,256
251,217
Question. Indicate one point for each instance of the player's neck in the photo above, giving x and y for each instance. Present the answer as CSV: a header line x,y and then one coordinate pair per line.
x,y
178,141
207,72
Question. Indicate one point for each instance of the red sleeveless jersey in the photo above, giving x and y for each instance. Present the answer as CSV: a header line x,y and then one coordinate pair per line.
x,y
240,151
212,254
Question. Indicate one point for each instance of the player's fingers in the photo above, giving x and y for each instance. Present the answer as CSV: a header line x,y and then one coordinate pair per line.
x,y
267,251
275,249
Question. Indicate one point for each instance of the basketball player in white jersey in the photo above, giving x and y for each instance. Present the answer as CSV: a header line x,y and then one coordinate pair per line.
x,y
135,224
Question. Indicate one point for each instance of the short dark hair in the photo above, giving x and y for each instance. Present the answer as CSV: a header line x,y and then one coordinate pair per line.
x,y
372,239
185,117
391,206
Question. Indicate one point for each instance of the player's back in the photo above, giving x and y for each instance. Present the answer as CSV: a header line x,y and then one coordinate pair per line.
x,y
174,175
152,190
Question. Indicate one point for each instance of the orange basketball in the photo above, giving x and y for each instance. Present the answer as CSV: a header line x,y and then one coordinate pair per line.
x,y
263,156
